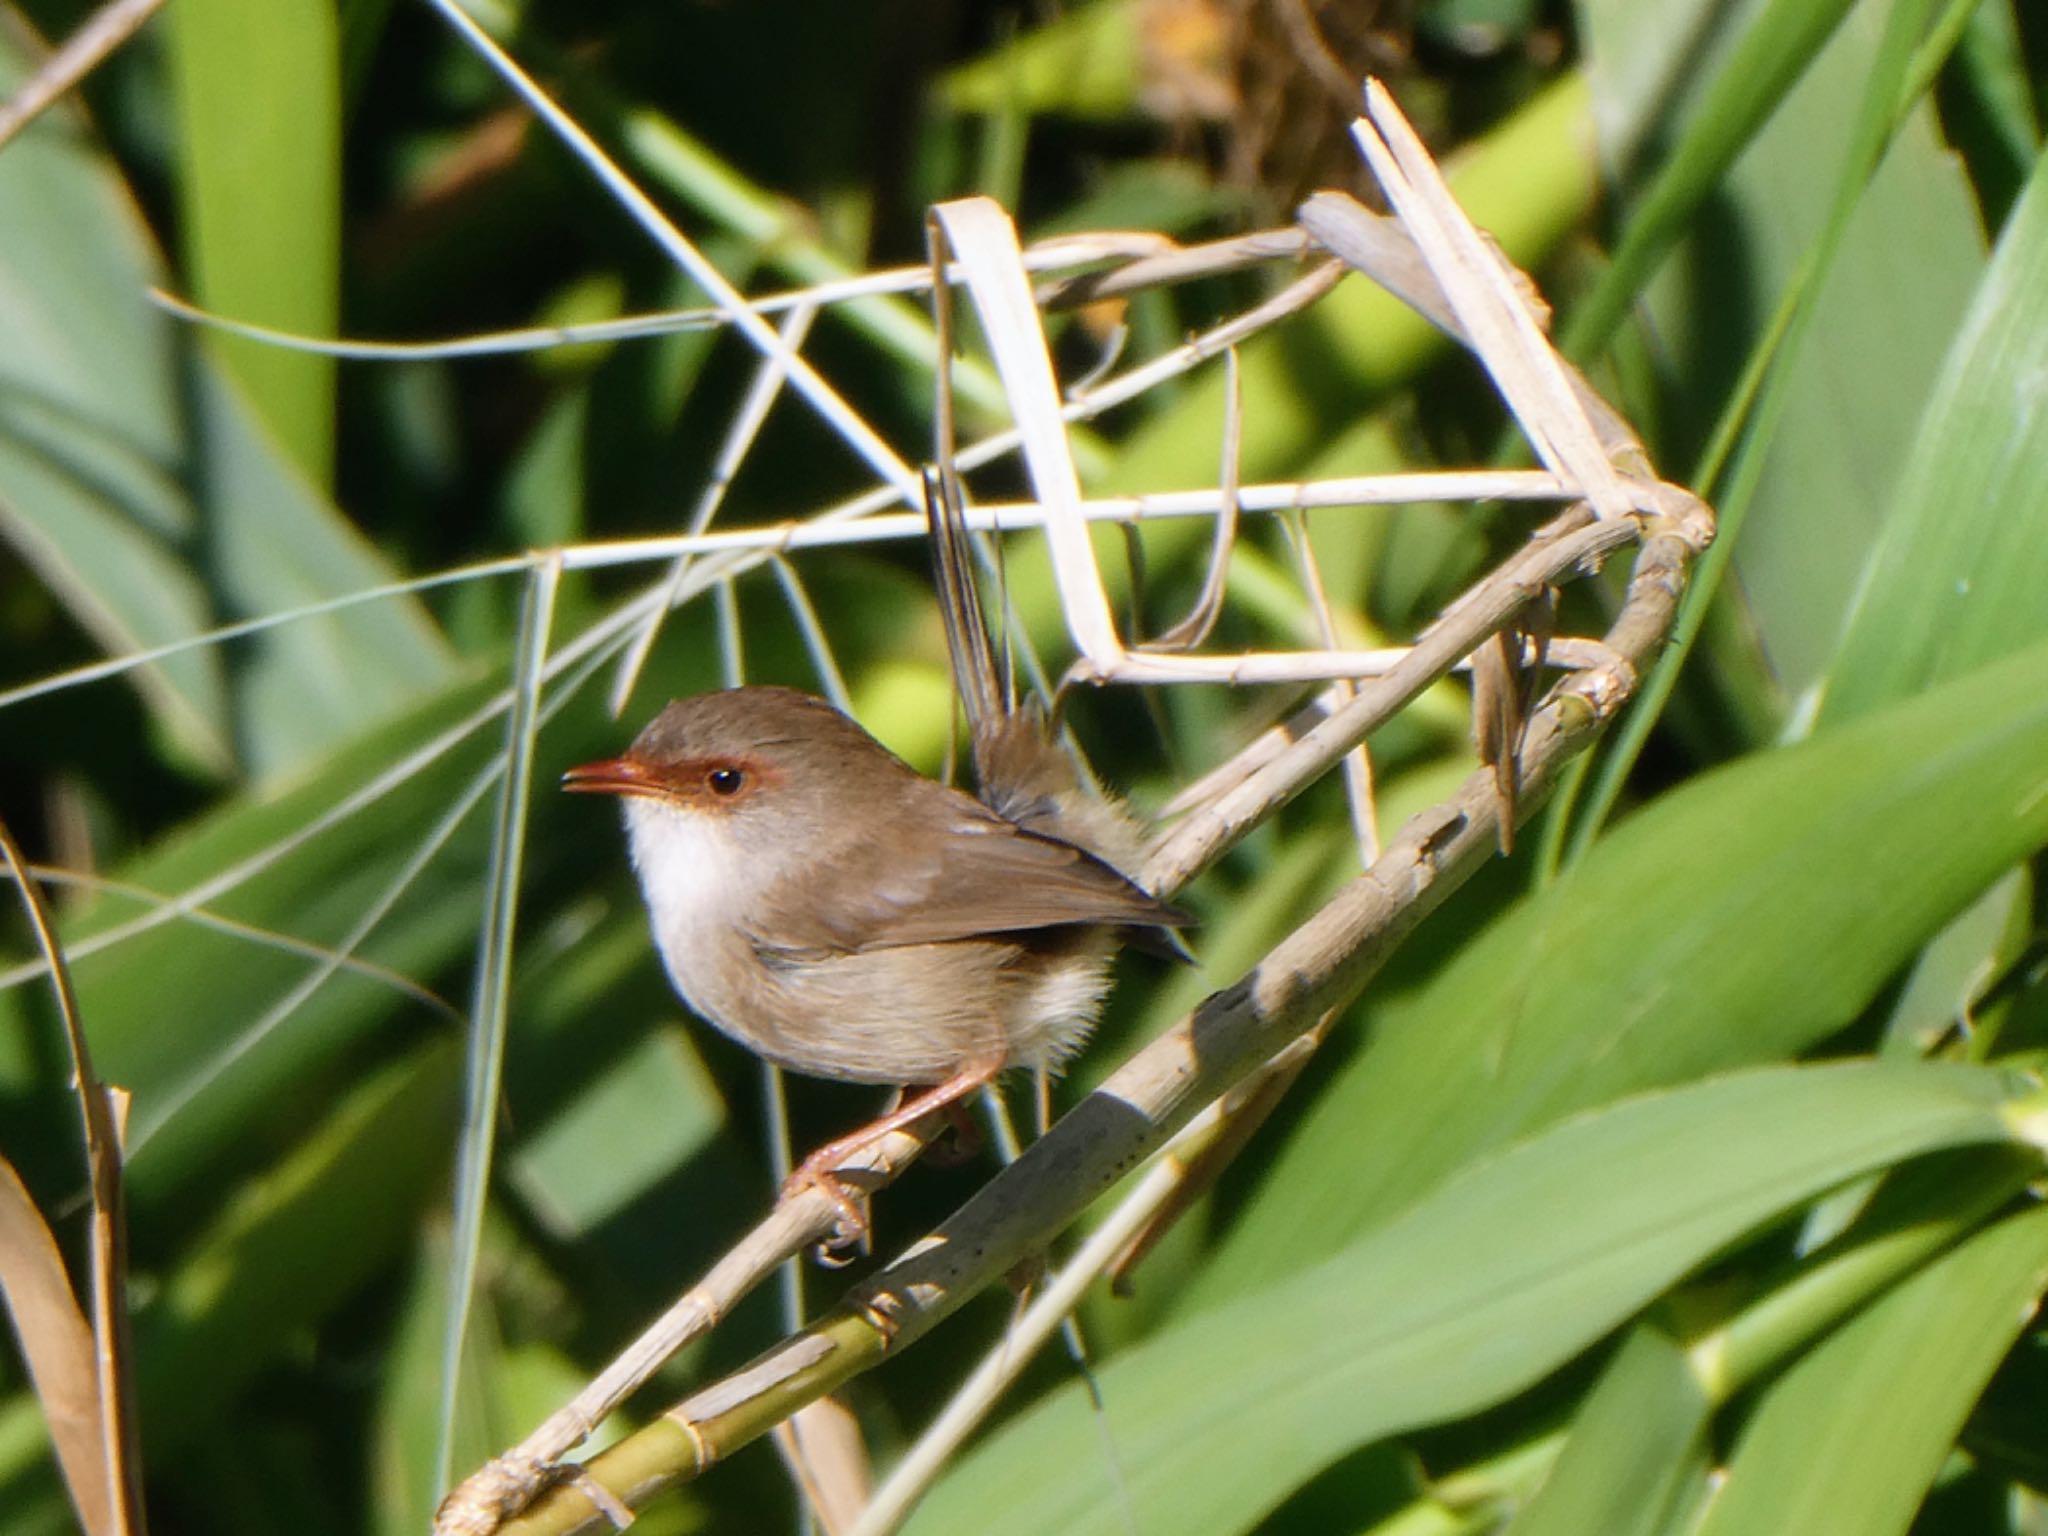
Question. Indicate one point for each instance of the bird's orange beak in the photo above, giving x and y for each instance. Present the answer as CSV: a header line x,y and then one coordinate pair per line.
x,y
612,776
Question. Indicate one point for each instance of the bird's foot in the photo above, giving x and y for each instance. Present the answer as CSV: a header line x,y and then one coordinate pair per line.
x,y
854,1227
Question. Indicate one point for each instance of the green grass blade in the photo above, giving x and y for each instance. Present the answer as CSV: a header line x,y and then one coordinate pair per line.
x,y
1959,576
1847,1442
1791,459
259,103
1637,1443
493,992
1775,50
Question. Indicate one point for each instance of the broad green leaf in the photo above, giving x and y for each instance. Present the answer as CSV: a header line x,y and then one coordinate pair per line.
x,y
1501,1275
259,104
1898,284
649,1110
1959,963
90,433
1918,1214
1886,313
1850,1438
1958,577
297,1240
1911,1217
1653,84
1741,918
156,507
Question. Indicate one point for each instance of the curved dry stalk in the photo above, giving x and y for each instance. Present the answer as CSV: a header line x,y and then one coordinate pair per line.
x,y
1175,264
100,1452
1495,305
1468,290
108,28
1053,254
1569,543
1201,619
1320,967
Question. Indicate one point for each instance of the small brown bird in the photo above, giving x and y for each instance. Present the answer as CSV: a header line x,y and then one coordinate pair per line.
x,y
833,910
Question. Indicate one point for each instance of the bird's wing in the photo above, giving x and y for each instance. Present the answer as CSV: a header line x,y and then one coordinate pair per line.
x,y
982,876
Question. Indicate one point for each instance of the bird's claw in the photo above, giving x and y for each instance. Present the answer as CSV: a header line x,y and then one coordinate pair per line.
x,y
853,1227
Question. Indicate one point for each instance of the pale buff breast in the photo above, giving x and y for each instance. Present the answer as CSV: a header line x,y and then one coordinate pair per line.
x,y
911,1014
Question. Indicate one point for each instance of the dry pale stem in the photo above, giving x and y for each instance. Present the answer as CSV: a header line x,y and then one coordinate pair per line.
x,y
1569,543
1320,966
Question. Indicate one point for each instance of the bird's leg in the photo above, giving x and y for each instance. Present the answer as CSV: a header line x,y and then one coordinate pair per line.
x,y
821,1169
966,1140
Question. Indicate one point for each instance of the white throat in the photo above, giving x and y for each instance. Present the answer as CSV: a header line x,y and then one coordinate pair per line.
x,y
692,872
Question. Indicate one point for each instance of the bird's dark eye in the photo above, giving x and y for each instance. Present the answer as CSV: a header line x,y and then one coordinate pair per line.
x,y
725,781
